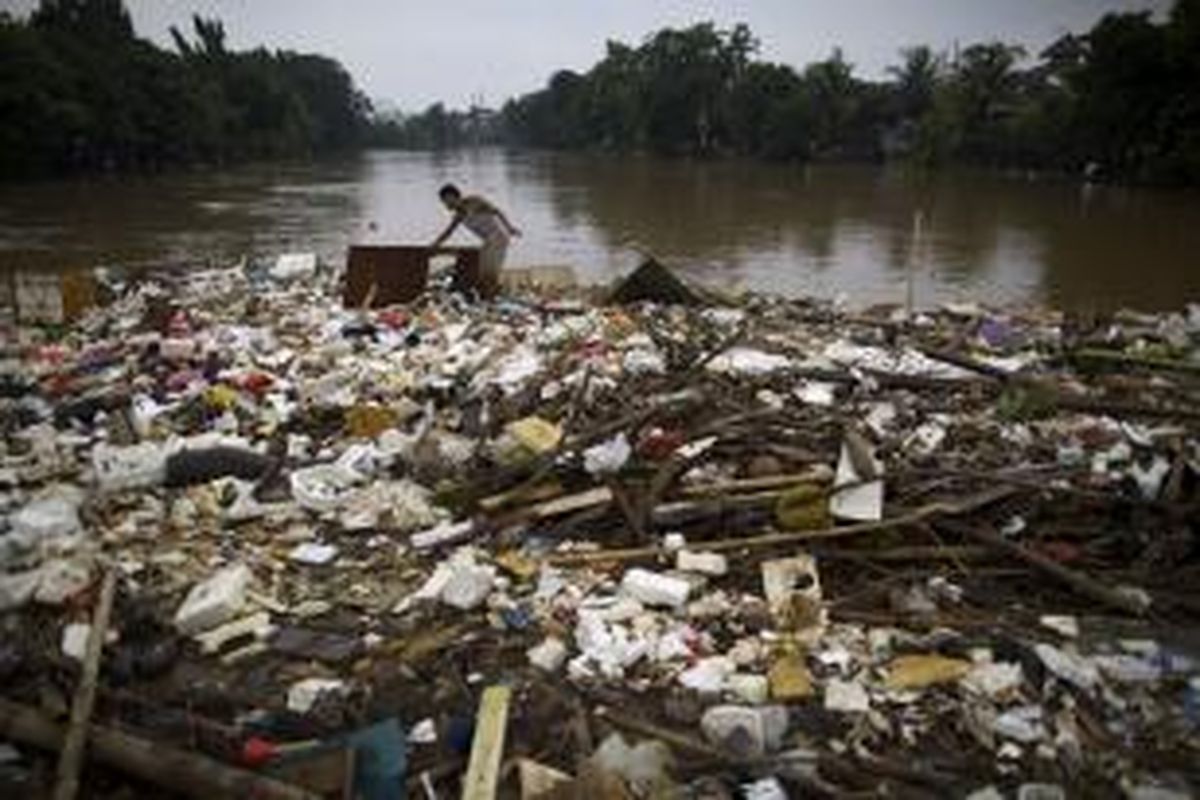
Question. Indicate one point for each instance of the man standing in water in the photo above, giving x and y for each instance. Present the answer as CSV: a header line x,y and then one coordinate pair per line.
x,y
485,221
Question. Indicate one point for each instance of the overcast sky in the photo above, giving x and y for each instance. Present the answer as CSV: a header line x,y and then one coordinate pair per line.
x,y
410,53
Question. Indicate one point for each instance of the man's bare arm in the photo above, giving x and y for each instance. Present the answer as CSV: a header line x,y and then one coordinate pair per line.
x,y
454,223
513,230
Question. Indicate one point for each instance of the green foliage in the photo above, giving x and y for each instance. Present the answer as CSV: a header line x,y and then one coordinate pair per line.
x,y
1121,102
1026,403
79,91
435,129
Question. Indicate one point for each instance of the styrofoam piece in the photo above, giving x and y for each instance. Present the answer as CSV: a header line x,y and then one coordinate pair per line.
x,y
1022,724
708,675
674,542
549,655
655,589
751,732
748,361
858,503
468,586
994,679
441,534
75,639
290,266
704,563
424,732
177,348
323,487
303,695
608,457
792,587
847,697
257,625
641,767
815,393
313,553
1129,669
214,601
135,467
1071,667
1061,624
750,689
606,648
765,789
644,361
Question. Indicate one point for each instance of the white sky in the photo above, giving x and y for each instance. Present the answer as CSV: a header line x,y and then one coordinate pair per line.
x,y
410,53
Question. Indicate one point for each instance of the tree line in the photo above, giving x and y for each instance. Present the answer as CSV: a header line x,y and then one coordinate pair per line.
x,y
80,92
1121,101
438,128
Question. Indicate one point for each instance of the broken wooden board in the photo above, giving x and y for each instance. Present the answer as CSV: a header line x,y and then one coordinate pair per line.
x,y
483,770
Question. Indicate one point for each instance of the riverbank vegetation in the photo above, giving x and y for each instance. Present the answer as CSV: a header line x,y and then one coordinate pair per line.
x,y
1120,101
80,92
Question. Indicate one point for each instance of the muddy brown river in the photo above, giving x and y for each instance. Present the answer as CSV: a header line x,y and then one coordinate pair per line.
x,y
861,232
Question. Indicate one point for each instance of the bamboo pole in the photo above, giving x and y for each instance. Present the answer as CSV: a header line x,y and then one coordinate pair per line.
x,y
70,759
188,774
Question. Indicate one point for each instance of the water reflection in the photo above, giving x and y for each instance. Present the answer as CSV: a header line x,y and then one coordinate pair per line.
x,y
824,230
197,217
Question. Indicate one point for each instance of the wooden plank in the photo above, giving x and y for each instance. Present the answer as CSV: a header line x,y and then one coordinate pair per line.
x,y
71,758
950,509
178,772
483,771
601,495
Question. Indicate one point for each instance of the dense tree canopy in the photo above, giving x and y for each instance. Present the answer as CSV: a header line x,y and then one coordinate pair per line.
x,y
1121,101
79,91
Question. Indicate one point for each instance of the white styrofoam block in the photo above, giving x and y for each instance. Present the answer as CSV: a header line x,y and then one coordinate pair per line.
x,y
215,601
313,553
177,349
469,585
75,639
847,697
294,265
751,689
549,655
654,589
303,694
258,624
753,732
133,467
704,563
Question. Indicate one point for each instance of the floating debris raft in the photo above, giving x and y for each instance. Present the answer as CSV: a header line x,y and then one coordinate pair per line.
x,y
700,546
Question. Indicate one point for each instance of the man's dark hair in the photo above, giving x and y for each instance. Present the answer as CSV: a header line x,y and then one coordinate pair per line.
x,y
449,190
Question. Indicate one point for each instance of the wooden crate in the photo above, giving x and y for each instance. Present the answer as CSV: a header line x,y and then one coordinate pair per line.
x,y
399,273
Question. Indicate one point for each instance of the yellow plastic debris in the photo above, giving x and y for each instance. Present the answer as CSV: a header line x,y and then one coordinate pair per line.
x,y
789,678
517,565
367,421
220,397
537,435
921,671
803,508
